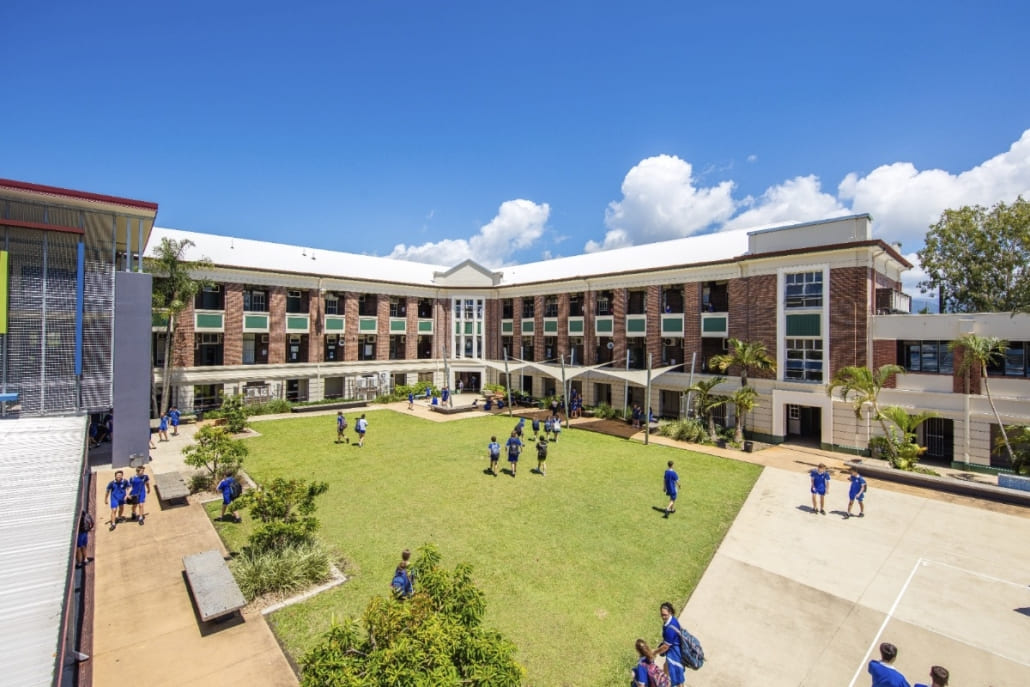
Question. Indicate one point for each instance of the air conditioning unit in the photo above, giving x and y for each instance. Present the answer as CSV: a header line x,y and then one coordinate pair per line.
x,y
293,294
404,338
264,338
210,339
213,288
294,338
725,344
370,338
669,341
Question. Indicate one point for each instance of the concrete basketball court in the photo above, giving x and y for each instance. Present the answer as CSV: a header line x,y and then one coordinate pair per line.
x,y
794,598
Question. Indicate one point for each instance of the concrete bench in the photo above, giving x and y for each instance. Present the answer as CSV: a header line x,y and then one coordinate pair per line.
x,y
6,398
170,486
212,584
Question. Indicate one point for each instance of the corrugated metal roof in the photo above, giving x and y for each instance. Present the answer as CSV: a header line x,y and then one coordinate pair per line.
x,y
40,465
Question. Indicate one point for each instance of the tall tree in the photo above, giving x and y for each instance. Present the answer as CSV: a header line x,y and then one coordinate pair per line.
x,y
746,356
861,386
174,289
705,402
954,258
744,401
982,351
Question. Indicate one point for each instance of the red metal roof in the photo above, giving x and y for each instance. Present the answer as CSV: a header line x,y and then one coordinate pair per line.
x,y
70,193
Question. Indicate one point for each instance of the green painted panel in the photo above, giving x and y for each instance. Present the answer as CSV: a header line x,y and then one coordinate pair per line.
x,y
604,325
713,324
425,327
804,325
156,319
672,325
468,327
334,324
550,326
296,323
636,325
576,325
255,321
368,325
507,327
527,326
398,326
209,320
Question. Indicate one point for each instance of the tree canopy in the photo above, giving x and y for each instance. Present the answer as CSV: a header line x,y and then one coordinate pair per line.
x,y
978,258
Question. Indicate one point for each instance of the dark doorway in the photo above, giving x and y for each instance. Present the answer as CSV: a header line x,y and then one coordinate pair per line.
x,y
939,439
804,424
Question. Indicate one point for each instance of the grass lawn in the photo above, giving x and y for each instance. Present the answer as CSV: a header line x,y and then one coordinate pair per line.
x,y
574,565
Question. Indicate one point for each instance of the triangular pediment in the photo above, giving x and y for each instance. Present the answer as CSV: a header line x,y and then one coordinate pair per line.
x,y
467,273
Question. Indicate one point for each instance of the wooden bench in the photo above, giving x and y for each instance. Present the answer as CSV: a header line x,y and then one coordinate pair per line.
x,y
212,584
6,398
170,487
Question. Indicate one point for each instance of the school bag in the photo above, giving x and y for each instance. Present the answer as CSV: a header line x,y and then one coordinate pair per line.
x,y
656,677
690,649
235,489
86,524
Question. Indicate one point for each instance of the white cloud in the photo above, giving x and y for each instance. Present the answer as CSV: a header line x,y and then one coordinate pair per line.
x,y
518,224
752,158
661,200
796,200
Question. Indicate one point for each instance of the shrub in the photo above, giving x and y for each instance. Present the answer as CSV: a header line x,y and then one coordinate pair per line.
x,y
496,388
689,429
280,571
215,451
606,412
235,412
273,407
285,509
200,481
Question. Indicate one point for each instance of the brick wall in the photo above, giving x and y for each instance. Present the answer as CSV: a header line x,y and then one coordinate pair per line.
x,y
276,325
653,308
444,334
183,339
232,352
692,322
849,309
563,326
316,335
958,380
538,328
620,299
752,314
383,328
350,312
885,352
589,335
411,317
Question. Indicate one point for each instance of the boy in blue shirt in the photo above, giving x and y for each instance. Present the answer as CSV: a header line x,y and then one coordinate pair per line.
x,y
162,428
411,400
672,485
514,449
140,483
820,485
116,492
495,454
938,677
541,455
226,487
173,416
341,428
884,674
856,492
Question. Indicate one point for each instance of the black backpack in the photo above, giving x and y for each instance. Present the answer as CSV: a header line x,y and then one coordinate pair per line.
x,y
235,489
86,522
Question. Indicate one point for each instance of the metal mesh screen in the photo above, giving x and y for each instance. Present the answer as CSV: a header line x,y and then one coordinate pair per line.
x,y
97,325
24,370
59,323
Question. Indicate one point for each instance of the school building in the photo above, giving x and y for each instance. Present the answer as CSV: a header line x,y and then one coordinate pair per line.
x,y
303,323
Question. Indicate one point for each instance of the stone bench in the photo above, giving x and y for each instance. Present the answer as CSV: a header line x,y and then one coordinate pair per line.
x,y
447,410
213,586
170,487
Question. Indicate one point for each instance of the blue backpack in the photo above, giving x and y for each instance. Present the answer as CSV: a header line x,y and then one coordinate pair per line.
x,y
690,649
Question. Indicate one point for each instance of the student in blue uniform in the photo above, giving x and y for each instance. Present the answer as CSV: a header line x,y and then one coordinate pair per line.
x,y
670,646
939,676
883,672
402,585
541,455
341,428
640,678
520,426
362,427
820,485
140,483
411,400
672,487
514,449
116,491
173,417
225,486
82,542
555,428
856,492
495,454
536,427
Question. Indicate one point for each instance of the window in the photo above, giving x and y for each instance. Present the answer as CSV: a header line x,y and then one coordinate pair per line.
x,y
604,303
551,306
398,308
527,307
425,308
576,305
332,305
209,298
507,309
1015,360
636,303
295,302
255,300
925,356
804,290
804,360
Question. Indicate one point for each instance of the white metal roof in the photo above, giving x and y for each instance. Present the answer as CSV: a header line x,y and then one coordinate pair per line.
x,y
40,466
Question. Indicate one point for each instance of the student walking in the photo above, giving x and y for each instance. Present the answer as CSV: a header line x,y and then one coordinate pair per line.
x,y
495,454
856,492
536,427
173,418
361,426
883,672
514,449
162,428
228,487
938,677
140,483
411,400
672,487
541,455
401,584
86,525
820,485
520,426
115,495
341,428
670,646
555,428
646,673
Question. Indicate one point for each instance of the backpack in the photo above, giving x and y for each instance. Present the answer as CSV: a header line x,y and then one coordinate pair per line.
x,y
690,649
656,677
235,489
86,522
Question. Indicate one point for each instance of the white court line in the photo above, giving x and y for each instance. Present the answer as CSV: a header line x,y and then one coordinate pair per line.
x,y
904,588
890,613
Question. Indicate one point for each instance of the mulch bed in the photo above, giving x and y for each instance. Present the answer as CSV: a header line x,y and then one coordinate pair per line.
x,y
615,428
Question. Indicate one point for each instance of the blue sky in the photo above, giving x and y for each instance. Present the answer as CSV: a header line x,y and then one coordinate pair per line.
x,y
514,132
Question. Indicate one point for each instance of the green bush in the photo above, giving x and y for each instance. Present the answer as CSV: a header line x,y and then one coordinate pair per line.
x,y
215,451
285,510
400,392
689,429
606,412
235,412
322,402
200,481
496,388
280,571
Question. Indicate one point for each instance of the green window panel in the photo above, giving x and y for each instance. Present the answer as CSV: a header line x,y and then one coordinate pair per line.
x,y
398,326
209,320
468,328
576,326
156,319
550,326
295,323
604,325
672,325
527,326
255,321
714,324
636,325
804,325
334,324
368,325
425,327
507,326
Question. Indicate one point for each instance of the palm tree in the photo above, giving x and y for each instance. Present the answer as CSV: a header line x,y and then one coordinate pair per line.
x,y
744,401
174,290
908,449
746,355
983,351
705,402
862,386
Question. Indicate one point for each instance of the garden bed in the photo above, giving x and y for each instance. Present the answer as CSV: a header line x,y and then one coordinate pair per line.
x,y
947,484
339,405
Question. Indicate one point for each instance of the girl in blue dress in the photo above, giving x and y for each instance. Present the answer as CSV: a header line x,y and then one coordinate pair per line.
x,y
670,646
646,665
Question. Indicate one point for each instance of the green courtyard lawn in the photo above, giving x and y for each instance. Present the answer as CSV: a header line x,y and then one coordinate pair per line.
x,y
574,564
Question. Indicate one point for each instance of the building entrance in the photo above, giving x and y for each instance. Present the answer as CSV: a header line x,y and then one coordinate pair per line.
x,y
804,424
